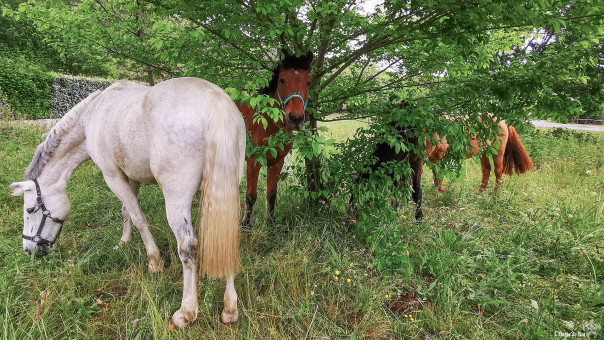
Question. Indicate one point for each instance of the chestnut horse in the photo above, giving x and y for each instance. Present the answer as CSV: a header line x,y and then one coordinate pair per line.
x,y
289,87
510,157
384,153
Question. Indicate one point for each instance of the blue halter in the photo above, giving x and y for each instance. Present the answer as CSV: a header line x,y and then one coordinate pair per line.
x,y
291,96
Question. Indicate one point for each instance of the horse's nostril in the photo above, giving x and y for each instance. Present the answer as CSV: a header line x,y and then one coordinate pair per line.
x,y
28,252
42,251
294,119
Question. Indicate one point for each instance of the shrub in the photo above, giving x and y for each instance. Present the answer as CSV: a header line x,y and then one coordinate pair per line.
x,y
27,92
33,94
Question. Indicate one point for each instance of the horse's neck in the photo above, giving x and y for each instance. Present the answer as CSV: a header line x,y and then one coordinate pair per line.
x,y
70,153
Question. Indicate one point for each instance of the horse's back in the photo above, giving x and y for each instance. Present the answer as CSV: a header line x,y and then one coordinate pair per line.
x,y
147,131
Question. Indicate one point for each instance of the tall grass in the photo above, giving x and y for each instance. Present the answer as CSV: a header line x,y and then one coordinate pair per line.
x,y
525,262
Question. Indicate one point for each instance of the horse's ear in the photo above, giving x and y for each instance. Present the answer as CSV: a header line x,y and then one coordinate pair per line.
x,y
18,188
285,52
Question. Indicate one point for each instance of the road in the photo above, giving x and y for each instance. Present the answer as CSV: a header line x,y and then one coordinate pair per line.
x,y
582,127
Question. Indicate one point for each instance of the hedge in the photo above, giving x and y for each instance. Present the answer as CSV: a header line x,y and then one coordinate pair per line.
x,y
35,95
28,93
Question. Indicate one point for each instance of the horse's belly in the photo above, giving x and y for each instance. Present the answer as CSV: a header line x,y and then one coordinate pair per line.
x,y
140,173
134,162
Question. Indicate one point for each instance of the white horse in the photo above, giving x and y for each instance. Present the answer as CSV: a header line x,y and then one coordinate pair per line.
x,y
180,134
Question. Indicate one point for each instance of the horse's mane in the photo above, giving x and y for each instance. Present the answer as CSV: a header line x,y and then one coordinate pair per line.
x,y
289,62
54,136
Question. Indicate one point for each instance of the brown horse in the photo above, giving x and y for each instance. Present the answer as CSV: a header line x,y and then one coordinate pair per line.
x,y
289,87
510,157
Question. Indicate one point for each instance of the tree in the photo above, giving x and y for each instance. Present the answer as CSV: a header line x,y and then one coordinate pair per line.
x,y
23,46
109,29
447,56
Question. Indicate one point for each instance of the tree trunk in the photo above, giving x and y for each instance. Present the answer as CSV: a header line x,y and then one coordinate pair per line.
x,y
150,76
313,166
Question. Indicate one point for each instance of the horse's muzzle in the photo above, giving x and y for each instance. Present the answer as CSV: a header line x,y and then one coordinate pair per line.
x,y
294,122
40,251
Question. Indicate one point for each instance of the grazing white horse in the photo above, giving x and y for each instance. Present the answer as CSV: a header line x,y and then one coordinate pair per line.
x,y
181,134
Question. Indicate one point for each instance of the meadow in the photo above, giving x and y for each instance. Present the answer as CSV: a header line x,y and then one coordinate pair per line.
x,y
524,263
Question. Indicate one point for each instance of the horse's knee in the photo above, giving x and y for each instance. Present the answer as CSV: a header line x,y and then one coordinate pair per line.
x,y
125,215
250,200
188,250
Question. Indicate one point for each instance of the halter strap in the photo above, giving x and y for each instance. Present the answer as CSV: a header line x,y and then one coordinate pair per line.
x,y
37,238
290,97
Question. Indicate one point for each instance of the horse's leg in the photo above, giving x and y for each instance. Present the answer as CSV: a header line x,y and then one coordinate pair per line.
x,y
418,167
178,211
118,183
485,166
127,231
253,170
272,178
230,314
438,183
498,165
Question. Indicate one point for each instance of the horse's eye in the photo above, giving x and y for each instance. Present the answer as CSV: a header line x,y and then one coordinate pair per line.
x,y
281,81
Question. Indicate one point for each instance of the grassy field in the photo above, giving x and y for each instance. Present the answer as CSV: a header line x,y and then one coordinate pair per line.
x,y
524,263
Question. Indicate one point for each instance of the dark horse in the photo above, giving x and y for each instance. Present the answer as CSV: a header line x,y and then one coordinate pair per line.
x,y
289,87
385,153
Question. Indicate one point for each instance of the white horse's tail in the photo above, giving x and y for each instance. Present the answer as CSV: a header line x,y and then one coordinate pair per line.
x,y
219,205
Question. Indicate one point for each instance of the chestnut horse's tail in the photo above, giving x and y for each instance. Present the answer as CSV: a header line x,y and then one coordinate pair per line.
x,y
515,157
219,205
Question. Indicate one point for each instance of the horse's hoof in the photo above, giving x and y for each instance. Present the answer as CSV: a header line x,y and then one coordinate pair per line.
x,y
180,319
229,317
172,325
155,264
120,245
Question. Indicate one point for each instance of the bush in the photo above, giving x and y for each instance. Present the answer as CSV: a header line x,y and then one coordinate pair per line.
x,y
33,94
28,92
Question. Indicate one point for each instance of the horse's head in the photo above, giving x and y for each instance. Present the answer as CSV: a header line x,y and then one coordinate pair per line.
x,y
292,92
43,215
290,83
